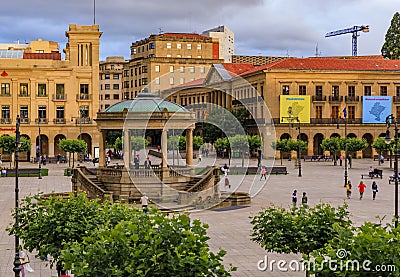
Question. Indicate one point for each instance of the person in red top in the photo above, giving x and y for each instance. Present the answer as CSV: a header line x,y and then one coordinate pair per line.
x,y
361,189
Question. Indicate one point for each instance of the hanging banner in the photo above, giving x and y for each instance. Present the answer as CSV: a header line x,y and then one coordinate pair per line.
x,y
293,107
376,108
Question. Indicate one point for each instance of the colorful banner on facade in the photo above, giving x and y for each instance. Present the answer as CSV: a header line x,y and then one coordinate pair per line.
x,y
293,107
376,108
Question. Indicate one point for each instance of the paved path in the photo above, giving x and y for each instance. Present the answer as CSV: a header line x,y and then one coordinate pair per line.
x,y
230,230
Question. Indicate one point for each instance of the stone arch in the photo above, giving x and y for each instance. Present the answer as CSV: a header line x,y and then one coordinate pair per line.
x,y
285,136
25,156
57,149
88,139
304,138
44,145
351,135
317,144
335,135
367,152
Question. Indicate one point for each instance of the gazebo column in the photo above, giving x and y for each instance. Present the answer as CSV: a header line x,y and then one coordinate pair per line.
x,y
189,147
102,150
164,148
127,155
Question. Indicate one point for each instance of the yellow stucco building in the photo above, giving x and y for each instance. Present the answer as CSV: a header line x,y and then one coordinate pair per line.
x,y
58,97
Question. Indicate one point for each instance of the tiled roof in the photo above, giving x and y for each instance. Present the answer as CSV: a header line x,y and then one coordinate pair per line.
x,y
235,69
193,83
187,35
42,56
372,63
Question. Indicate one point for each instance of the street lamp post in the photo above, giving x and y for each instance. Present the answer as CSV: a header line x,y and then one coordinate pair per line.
x,y
40,151
17,262
345,151
391,119
80,131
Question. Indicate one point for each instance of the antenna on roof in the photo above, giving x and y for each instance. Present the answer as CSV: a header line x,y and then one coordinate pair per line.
x,y
94,12
317,52
160,30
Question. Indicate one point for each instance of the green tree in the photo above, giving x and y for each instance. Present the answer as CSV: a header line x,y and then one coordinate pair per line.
x,y
294,145
138,143
353,144
281,146
72,146
380,146
222,146
373,246
122,241
299,230
255,142
240,144
7,144
112,136
390,48
332,145
118,144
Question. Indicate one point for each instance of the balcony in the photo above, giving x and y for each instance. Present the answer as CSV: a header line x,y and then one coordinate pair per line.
x,y
24,95
59,97
42,120
42,95
59,121
339,121
337,99
84,97
396,99
349,99
83,120
6,121
24,120
318,98
5,94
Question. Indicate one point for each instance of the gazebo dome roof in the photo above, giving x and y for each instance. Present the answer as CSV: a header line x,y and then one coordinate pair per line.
x,y
146,102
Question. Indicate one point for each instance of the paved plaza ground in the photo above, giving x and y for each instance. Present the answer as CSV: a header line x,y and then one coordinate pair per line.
x,y
230,229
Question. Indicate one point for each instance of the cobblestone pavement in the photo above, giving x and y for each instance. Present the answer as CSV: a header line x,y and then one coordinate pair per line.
x,y
230,229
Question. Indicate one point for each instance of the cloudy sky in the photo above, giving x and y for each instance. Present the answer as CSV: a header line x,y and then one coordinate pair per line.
x,y
261,27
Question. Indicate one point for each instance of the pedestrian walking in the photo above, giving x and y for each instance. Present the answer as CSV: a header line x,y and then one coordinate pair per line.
x,y
304,199
227,184
341,160
361,188
263,173
348,189
145,202
294,198
374,190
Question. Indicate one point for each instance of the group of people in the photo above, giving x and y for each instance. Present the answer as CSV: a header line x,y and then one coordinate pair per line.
x,y
304,199
361,189
136,162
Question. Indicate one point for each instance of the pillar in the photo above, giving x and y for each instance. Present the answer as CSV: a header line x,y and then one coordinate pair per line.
x,y
102,150
126,145
164,148
189,147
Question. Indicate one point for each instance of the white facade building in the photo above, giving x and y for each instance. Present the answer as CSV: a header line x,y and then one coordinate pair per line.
x,y
226,41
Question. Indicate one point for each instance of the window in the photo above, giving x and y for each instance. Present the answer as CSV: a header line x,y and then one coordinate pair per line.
x,y
189,56
182,69
189,46
335,91
157,80
116,96
106,97
84,91
144,81
168,55
179,46
59,90
318,112
199,57
397,91
144,69
107,86
202,69
351,91
115,76
351,112
171,81
23,111
23,89
191,69
5,112
397,111
60,112
335,112
285,90
169,45
152,45
181,81
179,56
302,90
133,51
42,112
367,91
126,73
84,111
171,68
42,90
107,76
318,91
198,46
115,86
157,68
383,90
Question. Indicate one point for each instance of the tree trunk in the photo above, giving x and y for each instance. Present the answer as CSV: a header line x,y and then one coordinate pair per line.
x,y
73,159
281,158
334,159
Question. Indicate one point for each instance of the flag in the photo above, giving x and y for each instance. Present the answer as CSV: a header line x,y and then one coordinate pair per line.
x,y
344,112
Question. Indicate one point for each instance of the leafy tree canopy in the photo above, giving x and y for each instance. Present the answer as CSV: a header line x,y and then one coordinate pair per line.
x,y
391,46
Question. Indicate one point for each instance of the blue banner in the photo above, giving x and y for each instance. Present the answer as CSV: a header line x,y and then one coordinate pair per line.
x,y
376,108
